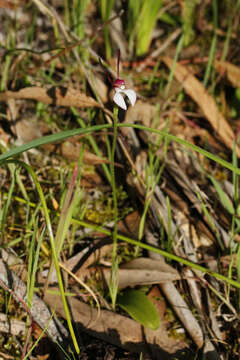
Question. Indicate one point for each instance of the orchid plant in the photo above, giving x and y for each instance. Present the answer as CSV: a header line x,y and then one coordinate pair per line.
x,y
120,90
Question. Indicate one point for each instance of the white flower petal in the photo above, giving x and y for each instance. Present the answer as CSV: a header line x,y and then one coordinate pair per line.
x,y
119,100
131,95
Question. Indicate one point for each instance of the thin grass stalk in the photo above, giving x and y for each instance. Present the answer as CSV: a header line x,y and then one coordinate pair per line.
x,y
30,250
26,357
66,214
213,44
164,253
67,13
6,206
4,75
148,247
210,221
229,30
79,7
153,173
237,211
169,227
34,253
235,223
94,146
106,9
52,243
171,74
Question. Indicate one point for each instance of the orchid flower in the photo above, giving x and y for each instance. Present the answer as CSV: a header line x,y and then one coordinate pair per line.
x,y
119,87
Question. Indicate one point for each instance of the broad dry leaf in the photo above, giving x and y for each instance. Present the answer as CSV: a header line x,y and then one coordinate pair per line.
x,y
159,302
150,264
142,112
56,95
232,71
141,271
130,224
196,90
144,271
27,130
134,277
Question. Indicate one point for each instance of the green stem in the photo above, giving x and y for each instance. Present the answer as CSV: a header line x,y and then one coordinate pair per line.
x,y
114,189
113,286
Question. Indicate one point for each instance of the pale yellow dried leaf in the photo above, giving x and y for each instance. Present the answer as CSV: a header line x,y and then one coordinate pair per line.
x,y
231,71
56,95
198,93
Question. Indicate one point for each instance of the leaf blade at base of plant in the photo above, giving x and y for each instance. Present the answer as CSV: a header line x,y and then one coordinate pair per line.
x,y
140,308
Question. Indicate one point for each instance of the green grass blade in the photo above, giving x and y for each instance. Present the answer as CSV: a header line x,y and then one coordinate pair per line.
x,y
145,24
6,205
188,17
213,44
33,262
50,139
66,134
52,243
224,199
170,77
147,247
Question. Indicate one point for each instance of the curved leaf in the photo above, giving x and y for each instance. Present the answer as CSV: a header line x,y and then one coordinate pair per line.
x,y
140,308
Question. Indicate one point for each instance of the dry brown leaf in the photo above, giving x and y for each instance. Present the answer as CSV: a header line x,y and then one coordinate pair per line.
x,y
70,150
120,330
159,302
195,89
150,264
141,271
232,71
100,87
56,95
11,326
142,112
144,271
27,130
6,4
134,277
130,224
43,357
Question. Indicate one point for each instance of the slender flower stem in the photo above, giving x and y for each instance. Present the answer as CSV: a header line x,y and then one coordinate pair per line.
x,y
114,189
113,286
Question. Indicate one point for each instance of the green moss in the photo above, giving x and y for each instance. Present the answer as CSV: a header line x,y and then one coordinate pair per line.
x,y
100,210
